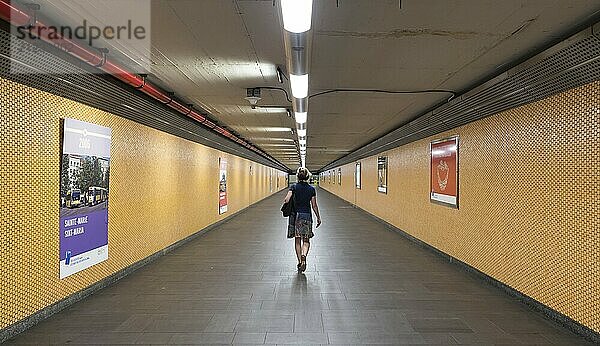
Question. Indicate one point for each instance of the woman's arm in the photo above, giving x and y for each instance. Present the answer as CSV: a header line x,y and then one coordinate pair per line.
x,y
315,207
287,197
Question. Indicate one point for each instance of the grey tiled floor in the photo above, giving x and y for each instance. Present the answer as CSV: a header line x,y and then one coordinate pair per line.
x,y
238,284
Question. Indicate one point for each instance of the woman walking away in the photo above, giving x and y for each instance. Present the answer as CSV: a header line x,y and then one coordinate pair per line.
x,y
300,222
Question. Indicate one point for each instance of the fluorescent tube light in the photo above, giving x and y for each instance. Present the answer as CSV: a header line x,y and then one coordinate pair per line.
x,y
301,132
297,15
301,117
299,85
302,141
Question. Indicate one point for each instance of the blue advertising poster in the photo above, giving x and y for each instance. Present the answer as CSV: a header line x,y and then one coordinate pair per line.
x,y
84,191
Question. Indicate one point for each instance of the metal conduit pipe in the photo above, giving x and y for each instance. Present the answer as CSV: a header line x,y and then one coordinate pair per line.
x,y
20,17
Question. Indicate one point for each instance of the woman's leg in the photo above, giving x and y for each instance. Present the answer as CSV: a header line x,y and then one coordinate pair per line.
x,y
305,246
298,245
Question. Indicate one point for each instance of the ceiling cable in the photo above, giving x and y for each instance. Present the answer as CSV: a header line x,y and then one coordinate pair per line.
x,y
427,91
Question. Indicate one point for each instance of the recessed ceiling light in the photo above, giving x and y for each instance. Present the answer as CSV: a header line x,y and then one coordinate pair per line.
x,y
261,129
270,139
277,145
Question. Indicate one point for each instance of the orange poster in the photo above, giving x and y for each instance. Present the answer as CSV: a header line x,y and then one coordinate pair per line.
x,y
444,171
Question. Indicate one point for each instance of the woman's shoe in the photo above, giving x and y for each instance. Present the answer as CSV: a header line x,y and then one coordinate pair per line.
x,y
299,266
302,263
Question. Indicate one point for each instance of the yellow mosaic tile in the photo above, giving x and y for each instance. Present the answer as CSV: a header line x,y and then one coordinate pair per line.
x,y
163,188
529,196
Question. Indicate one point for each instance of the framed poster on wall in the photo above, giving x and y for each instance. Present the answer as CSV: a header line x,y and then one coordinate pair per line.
x,y
334,177
357,175
444,171
339,176
223,186
382,171
84,190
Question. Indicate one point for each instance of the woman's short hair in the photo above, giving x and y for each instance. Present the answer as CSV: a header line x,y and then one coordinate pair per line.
x,y
303,173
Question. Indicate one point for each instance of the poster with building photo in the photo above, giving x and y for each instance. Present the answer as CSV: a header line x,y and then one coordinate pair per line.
x,y
84,195
222,186
444,172
382,172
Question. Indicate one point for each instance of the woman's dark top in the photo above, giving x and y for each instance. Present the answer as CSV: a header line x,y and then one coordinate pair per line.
x,y
303,193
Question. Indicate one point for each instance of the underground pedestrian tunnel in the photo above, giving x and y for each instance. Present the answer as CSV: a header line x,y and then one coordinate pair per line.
x,y
147,147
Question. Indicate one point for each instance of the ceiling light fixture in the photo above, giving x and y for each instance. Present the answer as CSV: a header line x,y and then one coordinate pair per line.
x,y
297,15
280,75
301,117
299,85
297,22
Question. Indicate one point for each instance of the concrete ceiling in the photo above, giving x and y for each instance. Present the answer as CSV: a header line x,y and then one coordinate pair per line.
x,y
208,52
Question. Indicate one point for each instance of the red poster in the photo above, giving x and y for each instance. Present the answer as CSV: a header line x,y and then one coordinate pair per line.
x,y
222,186
444,171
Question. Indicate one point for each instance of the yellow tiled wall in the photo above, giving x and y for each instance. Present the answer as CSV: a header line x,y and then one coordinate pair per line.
x,y
163,189
529,196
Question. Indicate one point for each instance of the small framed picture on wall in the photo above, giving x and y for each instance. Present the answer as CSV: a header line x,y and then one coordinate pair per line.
x,y
357,175
382,172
